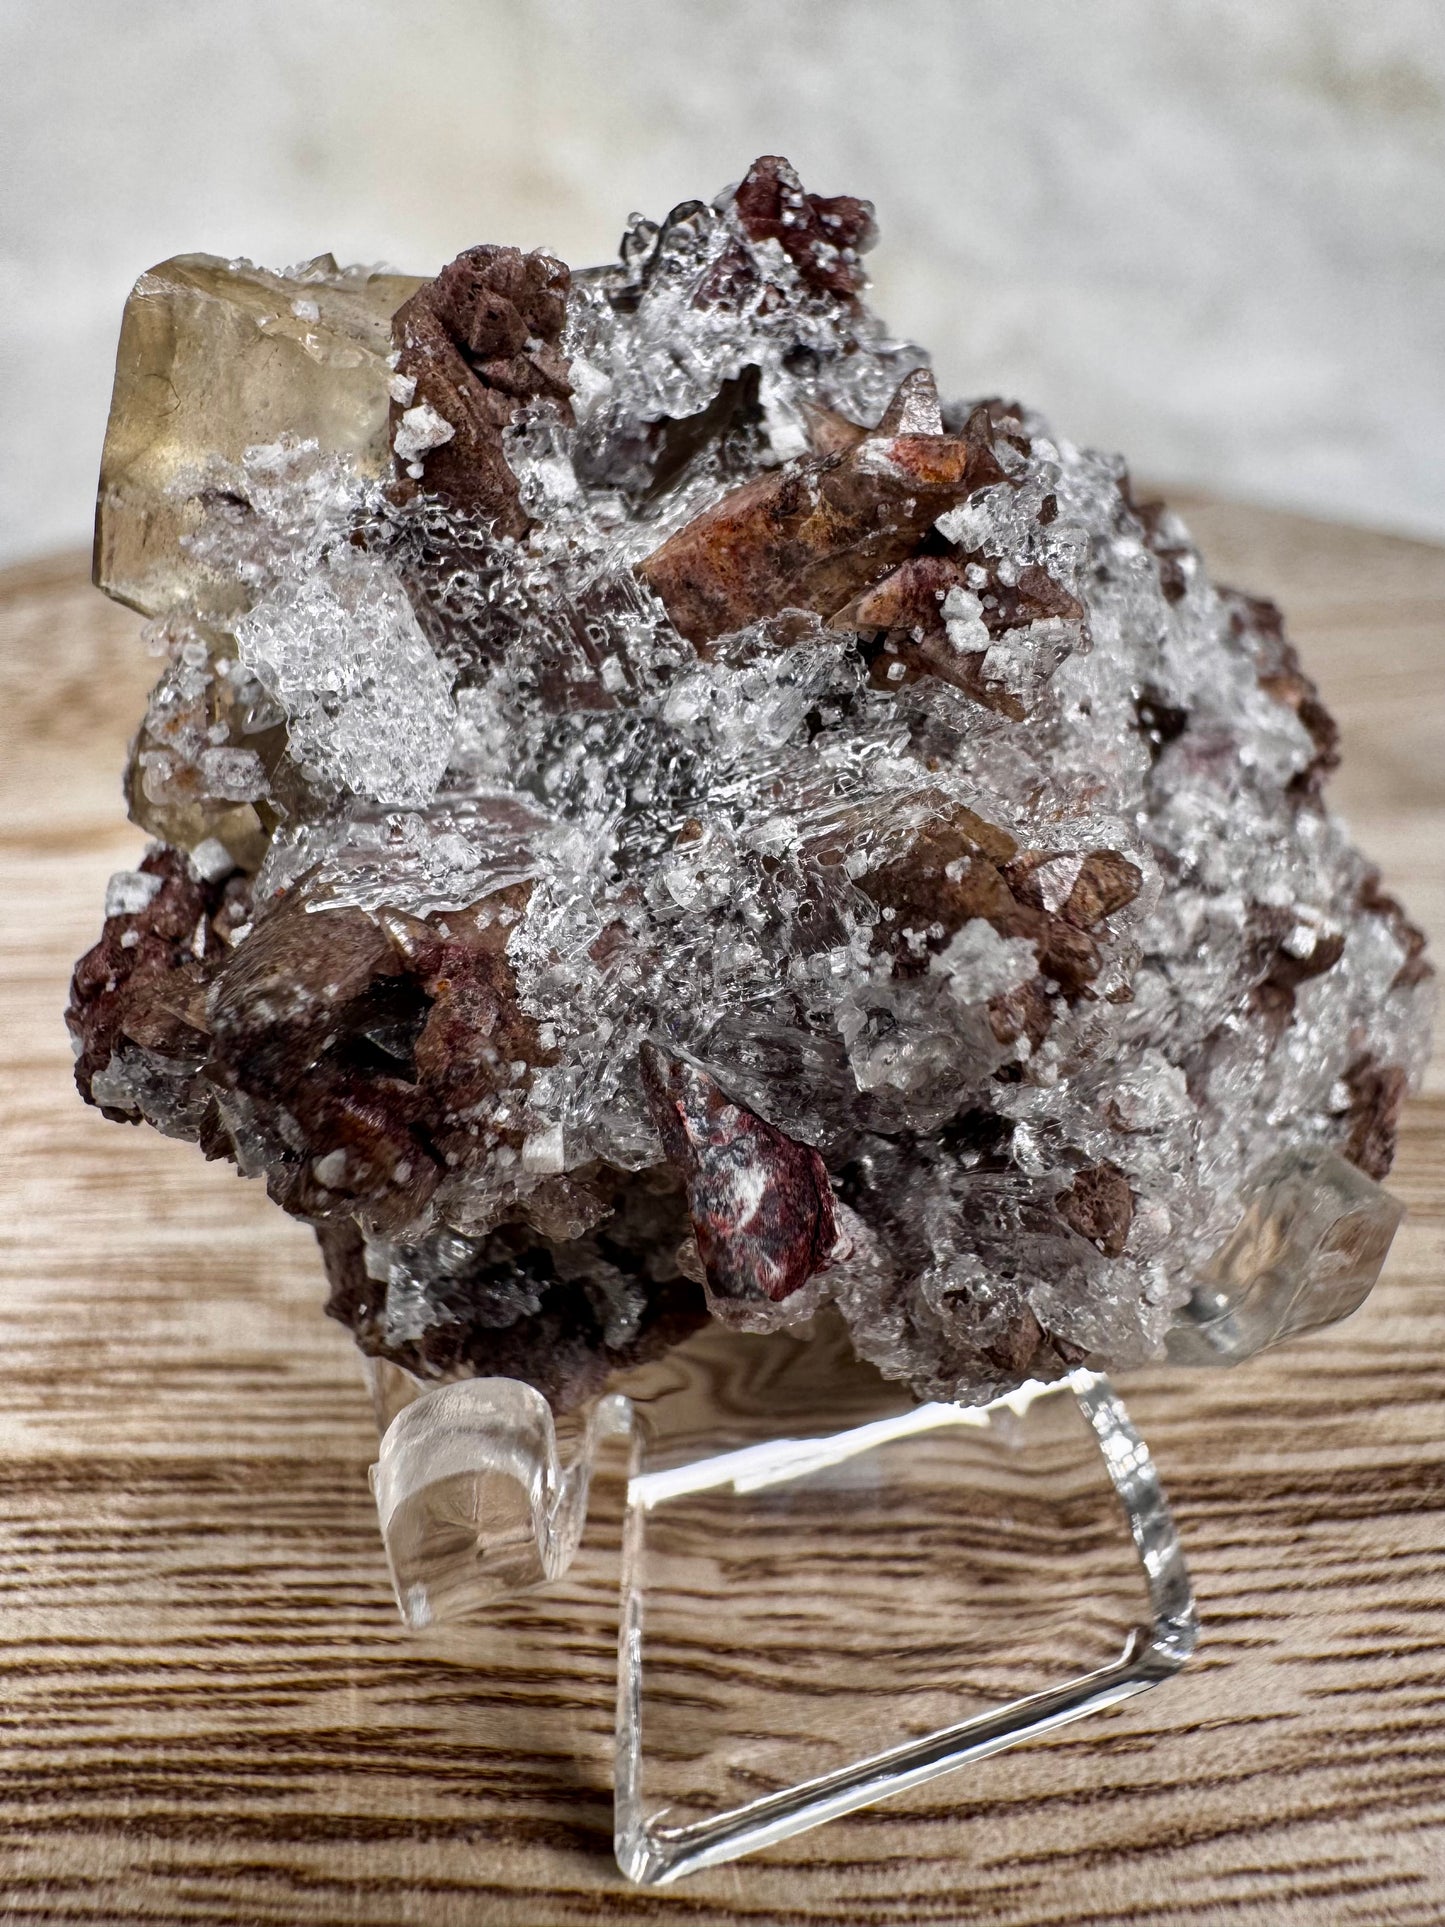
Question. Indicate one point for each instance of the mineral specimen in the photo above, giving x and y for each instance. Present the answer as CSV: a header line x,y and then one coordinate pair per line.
x,y
660,815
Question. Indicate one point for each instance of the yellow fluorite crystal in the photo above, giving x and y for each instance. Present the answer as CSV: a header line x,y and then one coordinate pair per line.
x,y
216,357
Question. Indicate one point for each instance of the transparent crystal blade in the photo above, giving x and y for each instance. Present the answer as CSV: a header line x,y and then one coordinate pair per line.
x,y
1306,1253
817,1616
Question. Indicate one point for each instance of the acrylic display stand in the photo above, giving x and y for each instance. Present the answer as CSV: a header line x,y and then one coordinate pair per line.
x,y
830,1594
897,1590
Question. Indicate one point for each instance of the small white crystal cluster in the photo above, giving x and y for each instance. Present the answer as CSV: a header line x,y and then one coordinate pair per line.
x,y
368,705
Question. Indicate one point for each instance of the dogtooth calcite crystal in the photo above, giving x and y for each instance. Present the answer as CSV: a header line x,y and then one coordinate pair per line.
x,y
659,814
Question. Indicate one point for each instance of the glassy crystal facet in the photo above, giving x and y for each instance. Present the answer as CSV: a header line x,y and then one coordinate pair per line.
x,y
1306,1253
216,357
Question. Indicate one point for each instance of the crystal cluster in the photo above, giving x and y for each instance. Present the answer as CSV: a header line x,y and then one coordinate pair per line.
x,y
658,815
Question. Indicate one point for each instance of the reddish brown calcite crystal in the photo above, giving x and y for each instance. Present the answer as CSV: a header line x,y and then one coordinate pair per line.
x,y
822,237
472,348
760,1203
812,533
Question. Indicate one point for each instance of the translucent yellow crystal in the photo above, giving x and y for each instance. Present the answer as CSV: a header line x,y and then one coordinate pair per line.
x,y
215,357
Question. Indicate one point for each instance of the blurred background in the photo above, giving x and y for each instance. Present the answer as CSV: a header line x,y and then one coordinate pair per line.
x,y
1210,233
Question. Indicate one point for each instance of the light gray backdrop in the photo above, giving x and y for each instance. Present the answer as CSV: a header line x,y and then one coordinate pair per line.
x,y
1208,232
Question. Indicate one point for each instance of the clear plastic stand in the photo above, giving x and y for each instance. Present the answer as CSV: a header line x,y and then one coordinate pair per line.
x,y
829,1595
811,1623
476,1495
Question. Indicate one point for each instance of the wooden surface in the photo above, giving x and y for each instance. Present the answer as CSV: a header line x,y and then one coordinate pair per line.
x,y
208,1712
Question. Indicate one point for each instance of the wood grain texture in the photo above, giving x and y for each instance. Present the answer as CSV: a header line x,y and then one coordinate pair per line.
x,y
208,1713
